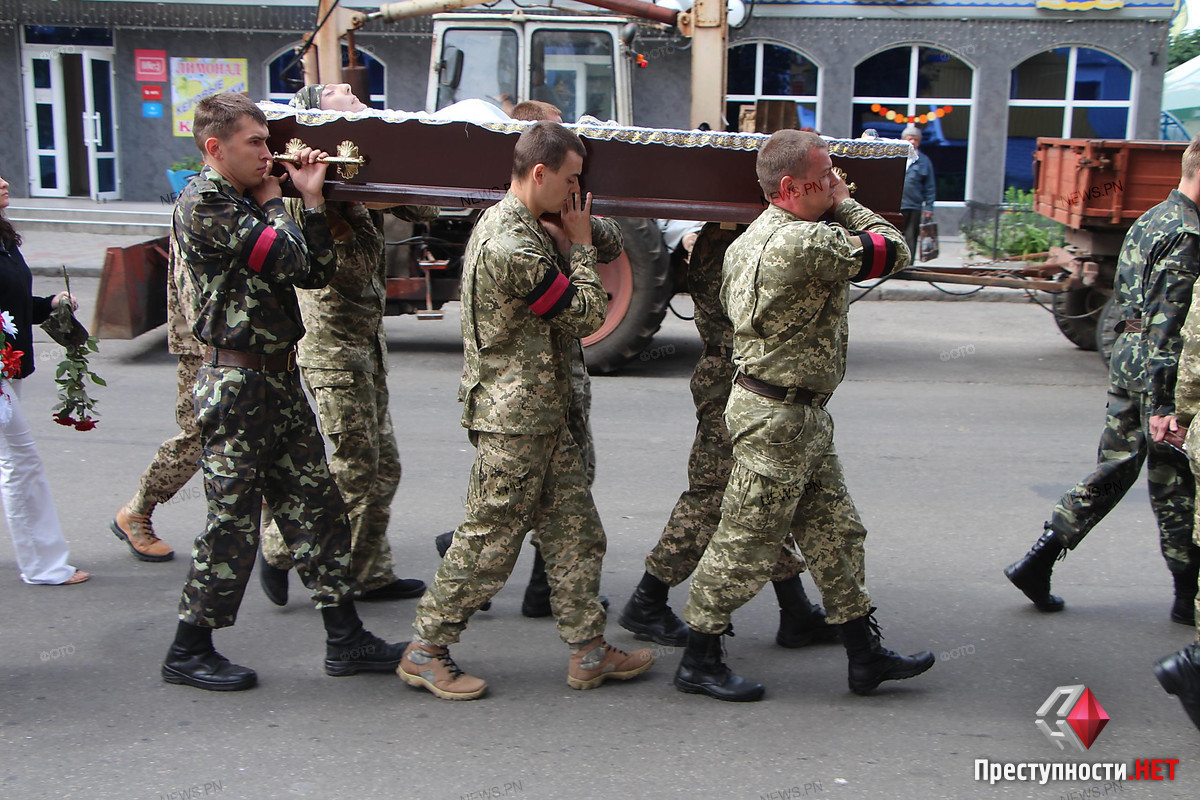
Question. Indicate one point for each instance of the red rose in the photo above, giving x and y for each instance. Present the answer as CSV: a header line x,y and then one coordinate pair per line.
x,y
85,424
64,419
10,361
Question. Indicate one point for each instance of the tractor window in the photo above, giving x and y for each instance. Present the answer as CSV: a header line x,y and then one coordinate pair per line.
x,y
489,67
574,71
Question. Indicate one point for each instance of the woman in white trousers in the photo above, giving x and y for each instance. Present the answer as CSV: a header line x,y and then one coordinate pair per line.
x,y
24,490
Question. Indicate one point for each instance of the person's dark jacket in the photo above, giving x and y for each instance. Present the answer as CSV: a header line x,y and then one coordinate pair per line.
x,y
920,189
16,297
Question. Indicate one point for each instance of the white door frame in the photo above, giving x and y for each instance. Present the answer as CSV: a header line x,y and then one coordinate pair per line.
x,y
56,99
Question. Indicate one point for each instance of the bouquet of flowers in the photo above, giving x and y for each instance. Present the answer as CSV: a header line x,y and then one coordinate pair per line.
x,y
10,363
75,407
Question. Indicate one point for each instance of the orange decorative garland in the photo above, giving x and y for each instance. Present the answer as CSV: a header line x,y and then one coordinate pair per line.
x,y
896,116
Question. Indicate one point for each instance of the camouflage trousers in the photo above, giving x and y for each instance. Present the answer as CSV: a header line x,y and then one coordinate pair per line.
x,y
352,408
698,510
786,478
260,443
1125,445
177,458
520,482
579,411
1193,447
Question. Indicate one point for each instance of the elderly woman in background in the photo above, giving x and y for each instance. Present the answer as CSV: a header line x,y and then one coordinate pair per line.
x,y
32,522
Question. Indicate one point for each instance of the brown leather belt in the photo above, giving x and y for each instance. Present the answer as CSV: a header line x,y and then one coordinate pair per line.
x,y
782,393
276,362
718,350
1129,326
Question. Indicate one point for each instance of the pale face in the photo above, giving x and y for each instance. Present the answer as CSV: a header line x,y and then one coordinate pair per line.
x,y
3,194
915,141
339,97
243,158
558,185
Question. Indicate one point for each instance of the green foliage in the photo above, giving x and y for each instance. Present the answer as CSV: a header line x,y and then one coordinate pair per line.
x,y
1021,232
75,407
192,163
1184,47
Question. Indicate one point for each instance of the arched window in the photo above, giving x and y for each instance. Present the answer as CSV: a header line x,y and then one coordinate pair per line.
x,y
926,87
1072,92
285,75
762,71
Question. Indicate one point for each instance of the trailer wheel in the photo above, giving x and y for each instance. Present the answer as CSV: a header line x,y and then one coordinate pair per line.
x,y
1106,337
638,284
1076,313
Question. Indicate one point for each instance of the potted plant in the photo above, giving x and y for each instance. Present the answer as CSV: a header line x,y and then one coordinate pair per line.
x,y
179,173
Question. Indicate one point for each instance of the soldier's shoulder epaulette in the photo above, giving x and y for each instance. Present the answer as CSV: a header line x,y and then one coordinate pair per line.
x,y
202,185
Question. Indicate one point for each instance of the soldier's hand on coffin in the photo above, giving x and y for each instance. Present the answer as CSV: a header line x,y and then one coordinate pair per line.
x,y
554,226
577,218
309,176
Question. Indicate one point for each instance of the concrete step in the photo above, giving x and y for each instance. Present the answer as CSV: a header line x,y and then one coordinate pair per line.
x,y
134,219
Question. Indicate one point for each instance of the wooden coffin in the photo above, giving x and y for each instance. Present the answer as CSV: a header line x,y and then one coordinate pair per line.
x,y
631,172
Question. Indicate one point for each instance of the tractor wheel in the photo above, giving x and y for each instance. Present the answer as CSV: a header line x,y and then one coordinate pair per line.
x,y
1076,313
1106,337
638,284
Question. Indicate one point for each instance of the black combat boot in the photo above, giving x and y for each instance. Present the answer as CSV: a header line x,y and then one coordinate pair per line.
x,y
350,648
1032,573
800,622
647,615
1179,674
537,594
703,671
1184,610
871,663
274,581
442,542
192,661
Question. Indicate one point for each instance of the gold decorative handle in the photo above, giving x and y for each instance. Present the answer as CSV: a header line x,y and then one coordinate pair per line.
x,y
347,159
841,173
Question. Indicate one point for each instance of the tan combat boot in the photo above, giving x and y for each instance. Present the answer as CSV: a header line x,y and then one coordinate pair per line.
x,y
136,531
431,667
598,661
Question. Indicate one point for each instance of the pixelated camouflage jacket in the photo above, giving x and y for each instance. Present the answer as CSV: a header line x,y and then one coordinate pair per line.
x,y
786,289
1156,270
704,283
245,260
343,320
521,315
181,301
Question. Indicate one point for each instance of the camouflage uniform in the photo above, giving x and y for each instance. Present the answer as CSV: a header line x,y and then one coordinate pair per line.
x,y
786,289
343,360
698,509
1156,270
521,317
260,440
177,458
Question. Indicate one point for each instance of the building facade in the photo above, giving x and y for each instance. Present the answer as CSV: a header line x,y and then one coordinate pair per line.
x,y
102,103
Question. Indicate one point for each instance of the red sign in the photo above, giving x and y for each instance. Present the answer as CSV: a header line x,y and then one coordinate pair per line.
x,y
150,65
152,93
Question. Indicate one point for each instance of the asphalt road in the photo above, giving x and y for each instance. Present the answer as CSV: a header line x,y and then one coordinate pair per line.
x,y
958,425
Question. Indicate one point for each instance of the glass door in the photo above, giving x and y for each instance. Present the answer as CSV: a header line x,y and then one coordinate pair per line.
x,y
99,125
45,122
